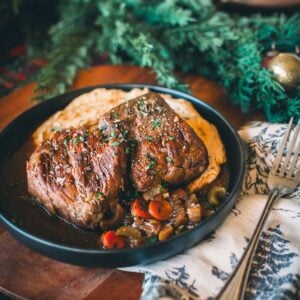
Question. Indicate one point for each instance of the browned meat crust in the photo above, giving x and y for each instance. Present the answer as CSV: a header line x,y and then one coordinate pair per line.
x,y
164,148
76,174
79,174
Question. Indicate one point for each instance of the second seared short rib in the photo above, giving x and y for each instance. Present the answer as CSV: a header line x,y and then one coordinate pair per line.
x,y
163,147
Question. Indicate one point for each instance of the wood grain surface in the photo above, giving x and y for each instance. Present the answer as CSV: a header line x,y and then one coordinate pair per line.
x,y
26,274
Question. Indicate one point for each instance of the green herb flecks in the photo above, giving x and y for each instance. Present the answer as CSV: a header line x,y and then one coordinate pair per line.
x,y
100,195
116,143
149,138
170,159
66,141
85,135
140,105
151,165
76,140
108,138
155,123
125,132
56,129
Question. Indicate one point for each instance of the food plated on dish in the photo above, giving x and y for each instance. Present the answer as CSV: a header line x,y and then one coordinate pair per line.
x,y
142,171
144,218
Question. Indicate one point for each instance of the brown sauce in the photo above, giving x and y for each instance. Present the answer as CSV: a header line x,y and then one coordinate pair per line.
x,y
18,206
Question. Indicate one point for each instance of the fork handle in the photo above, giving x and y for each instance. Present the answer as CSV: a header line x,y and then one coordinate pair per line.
x,y
236,285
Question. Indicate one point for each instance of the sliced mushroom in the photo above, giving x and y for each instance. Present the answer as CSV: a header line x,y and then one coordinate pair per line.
x,y
193,209
151,227
177,200
195,213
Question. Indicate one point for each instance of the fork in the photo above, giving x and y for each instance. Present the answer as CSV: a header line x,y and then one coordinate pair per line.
x,y
282,180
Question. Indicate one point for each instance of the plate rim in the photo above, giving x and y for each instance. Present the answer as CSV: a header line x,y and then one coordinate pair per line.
x,y
8,224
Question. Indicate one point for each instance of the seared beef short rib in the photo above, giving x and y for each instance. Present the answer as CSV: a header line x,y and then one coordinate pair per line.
x,y
163,147
80,174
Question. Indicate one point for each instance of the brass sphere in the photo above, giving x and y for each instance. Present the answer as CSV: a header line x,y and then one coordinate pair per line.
x,y
286,69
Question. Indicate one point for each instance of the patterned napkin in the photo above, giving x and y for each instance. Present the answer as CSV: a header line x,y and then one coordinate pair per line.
x,y
201,272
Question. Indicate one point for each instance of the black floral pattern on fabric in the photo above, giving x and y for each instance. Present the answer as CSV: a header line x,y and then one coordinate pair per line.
x,y
260,157
275,273
155,287
268,279
180,277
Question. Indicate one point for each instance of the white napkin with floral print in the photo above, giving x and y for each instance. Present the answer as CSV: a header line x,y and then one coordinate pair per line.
x,y
202,271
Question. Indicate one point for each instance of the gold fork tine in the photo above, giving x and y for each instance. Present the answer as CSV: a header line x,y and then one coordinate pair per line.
x,y
276,163
296,154
290,149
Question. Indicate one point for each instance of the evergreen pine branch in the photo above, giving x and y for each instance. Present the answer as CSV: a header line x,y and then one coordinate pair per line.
x,y
59,74
165,13
188,35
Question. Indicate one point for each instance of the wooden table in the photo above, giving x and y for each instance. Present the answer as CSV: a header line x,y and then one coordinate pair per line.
x,y
28,274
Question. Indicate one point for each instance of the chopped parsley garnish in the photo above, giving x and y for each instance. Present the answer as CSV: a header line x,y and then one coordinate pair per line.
x,y
151,164
149,138
76,140
56,129
112,135
140,104
66,141
155,123
100,195
116,143
169,159
85,135
125,132
127,150
171,138
81,138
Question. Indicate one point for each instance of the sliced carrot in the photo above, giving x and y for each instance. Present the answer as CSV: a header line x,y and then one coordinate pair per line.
x,y
110,240
138,210
160,210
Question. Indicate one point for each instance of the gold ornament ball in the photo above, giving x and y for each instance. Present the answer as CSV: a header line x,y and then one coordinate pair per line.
x,y
286,68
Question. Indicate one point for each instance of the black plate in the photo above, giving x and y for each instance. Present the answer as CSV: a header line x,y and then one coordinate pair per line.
x,y
37,236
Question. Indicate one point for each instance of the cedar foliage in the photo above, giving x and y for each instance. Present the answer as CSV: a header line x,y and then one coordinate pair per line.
x,y
186,35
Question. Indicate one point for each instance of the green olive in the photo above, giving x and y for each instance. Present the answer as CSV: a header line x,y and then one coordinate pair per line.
x,y
129,231
214,194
